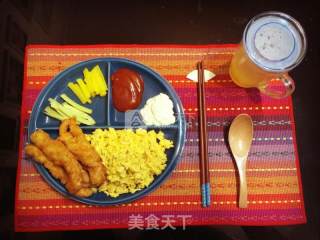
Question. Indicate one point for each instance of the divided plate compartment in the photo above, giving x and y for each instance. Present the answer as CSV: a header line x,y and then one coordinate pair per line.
x,y
107,116
58,86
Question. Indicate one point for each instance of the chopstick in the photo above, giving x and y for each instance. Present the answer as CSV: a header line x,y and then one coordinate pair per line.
x,y
203,147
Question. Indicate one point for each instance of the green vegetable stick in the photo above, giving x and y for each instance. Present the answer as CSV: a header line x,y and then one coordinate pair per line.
x,y
52,113
70,111
67,107
54,103
58,107
81,116
85,121
74,104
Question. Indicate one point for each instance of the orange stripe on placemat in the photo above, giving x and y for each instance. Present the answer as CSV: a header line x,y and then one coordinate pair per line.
x,y
186,186
263,167
257,201
191,171
180,198
154,207
65,47
50,68
135,56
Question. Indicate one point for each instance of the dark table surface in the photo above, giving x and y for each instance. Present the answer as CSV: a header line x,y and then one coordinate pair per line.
x,y
178,22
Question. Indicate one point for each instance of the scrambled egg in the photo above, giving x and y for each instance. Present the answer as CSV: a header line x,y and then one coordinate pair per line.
x,y
132,158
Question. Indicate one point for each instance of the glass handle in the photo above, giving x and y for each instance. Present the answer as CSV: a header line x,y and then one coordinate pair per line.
x,y
288,83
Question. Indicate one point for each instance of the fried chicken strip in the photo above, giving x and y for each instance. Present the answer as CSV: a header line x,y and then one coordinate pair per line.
x,y
74,139
61,156
56,171
86,192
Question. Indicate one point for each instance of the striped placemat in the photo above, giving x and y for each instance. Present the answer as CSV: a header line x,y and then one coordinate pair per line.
x,y
273,175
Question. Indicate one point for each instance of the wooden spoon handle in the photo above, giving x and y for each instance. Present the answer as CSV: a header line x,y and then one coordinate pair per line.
x,y
243,195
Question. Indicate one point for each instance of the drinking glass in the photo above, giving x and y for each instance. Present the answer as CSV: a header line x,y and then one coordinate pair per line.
x,y
273,43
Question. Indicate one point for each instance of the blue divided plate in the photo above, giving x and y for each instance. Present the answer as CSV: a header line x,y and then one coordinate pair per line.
x,y
107,116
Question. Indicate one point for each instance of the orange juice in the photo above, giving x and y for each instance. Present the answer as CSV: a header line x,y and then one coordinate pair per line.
x,y
245,73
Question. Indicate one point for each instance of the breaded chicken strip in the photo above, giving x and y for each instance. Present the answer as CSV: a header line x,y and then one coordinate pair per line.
x,y
86,192
61,156
74,139
56,171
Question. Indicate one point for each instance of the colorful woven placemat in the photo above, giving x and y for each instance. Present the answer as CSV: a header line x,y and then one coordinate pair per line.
x,y
274,185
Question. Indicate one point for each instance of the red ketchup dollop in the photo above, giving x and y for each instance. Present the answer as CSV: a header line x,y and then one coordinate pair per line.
x,y
127,89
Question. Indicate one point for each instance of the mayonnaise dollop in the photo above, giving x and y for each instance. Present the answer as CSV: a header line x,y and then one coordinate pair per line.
x,y
158,111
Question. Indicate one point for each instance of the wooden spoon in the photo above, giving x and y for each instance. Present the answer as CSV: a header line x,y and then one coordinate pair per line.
x,y
240,138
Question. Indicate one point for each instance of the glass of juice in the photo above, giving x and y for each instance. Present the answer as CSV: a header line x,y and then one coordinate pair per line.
x,y
273,43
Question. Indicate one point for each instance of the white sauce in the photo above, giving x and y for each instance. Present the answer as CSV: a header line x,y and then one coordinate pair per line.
x,y
158,111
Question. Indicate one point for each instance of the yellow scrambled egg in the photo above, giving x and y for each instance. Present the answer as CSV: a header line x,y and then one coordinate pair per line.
x,y
132,158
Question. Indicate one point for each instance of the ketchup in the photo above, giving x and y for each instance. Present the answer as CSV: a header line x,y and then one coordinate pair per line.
x,y
127,89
